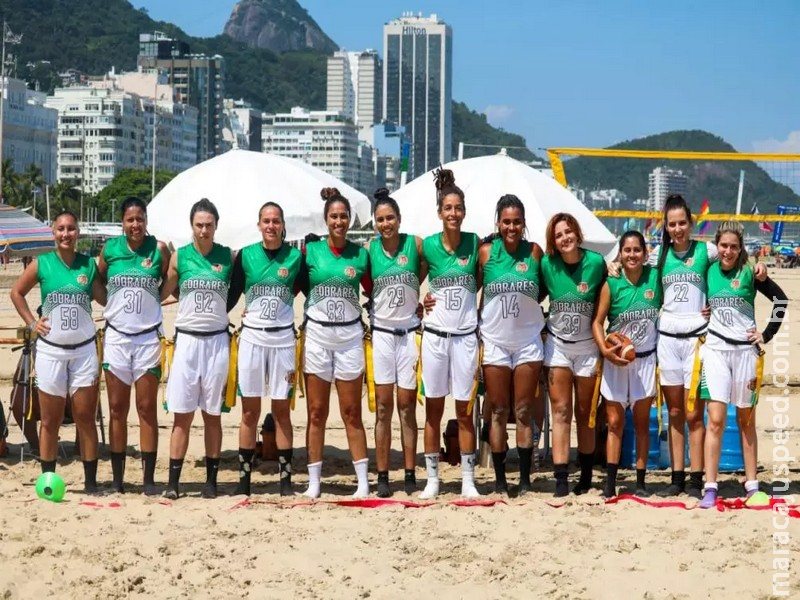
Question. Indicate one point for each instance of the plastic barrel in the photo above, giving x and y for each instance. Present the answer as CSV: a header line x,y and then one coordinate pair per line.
x,y
731,458
628,456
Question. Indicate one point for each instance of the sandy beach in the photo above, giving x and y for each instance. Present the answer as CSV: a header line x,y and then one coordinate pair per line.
x,y
131,546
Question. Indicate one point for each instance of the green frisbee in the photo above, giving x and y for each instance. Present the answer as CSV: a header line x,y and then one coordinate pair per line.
x,y
51,487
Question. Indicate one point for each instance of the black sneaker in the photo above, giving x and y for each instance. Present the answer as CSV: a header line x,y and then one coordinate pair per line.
x,y
383,490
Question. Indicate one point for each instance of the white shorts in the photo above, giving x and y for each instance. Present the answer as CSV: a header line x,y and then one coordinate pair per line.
x,y
676,360
582,360
346,364
631,383
449,365
128,361
59,376
728,375
265,371
498,356
198,373
394,359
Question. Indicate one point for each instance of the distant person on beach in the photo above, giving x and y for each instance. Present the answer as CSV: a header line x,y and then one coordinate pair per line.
x,y
201,272
450,344
572,277
269,273
396,269
334,347
511,326
66,355
733,355
133,266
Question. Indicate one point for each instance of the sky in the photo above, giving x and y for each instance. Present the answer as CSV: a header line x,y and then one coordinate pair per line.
x,y
589,73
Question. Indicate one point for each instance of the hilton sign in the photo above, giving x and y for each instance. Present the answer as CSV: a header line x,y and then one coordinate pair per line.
x,y
409,30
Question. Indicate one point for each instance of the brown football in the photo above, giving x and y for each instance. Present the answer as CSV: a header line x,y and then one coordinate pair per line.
x,y
626,349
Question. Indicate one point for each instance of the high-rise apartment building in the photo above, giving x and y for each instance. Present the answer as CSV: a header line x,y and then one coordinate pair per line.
x,y
30,129
417,87
354,86
661,183
198,81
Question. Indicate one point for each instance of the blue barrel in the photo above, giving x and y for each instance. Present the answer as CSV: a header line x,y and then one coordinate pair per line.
x,y
731,458
628,456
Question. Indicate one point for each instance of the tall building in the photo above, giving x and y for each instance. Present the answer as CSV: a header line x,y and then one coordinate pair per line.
x,y
661,183
30,129
354,86
243,126
324,139
198,81
417,87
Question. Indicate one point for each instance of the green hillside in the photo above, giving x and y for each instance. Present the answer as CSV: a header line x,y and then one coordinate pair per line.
x,y
94,35
716,180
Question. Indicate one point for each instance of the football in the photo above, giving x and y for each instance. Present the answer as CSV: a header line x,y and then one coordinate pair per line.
x,y
625,350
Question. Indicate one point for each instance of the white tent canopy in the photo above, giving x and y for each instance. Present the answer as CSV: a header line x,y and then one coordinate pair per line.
x,y
239,182
484,180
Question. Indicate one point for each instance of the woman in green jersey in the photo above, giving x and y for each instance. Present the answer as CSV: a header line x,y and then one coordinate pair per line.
x,y
511,330
133,266
631,303
572,277
66,356
450,341
733,358
396,270
201,271
333,347
268,273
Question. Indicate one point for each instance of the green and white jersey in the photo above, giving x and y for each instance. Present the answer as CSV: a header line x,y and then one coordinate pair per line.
x,y
573,291
634,308
67,302
395,281
269,294
203,283
452,281
731,295
134,277
683,278
511,316
333,296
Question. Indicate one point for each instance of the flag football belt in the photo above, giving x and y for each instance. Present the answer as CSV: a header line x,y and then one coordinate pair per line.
x,y
560,339
269,329
447,334
396,332
333,324
138,333
695,333
68,346
645,354
200,333
729,340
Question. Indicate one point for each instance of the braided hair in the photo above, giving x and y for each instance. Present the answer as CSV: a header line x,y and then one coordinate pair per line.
x,y
445,182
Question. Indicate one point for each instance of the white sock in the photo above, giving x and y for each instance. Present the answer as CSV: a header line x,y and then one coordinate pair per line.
x,y
314,473
432,485
362,471
468,488
711,485
751,486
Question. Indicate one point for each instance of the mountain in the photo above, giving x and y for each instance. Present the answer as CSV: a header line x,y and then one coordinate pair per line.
x,y
718,181
277,25
471,127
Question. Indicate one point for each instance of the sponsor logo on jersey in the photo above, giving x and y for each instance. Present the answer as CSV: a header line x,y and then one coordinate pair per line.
x,y
283,272
463,261
216,267
83,279
350,272
583,287
689,261
147,263
521,267
735,284
402,260
649,294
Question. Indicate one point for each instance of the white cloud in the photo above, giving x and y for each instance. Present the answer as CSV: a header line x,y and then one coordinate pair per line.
x,y
791,145
497,114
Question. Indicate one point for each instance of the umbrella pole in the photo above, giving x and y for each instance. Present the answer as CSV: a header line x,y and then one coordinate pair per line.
x,y
26,388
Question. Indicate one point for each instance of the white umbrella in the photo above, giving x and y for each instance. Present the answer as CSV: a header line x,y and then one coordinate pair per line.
x,y
484,180
238,183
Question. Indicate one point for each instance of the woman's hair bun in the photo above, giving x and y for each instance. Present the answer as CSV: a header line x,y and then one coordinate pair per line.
x,y
381,194
444,178
328,193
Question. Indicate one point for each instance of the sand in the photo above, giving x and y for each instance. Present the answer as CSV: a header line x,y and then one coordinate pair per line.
x,y
131,546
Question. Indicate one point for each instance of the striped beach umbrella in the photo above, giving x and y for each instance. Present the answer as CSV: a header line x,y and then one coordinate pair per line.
x,y
21,234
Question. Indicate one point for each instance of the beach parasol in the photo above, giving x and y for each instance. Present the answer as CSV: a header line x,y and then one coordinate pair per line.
x,y
21,234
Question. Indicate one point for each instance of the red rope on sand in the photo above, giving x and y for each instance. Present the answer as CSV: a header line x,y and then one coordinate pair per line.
x,y
368,503
791,510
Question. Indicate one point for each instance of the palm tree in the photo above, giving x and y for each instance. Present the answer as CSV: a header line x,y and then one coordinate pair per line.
x,y
10,182
31,183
